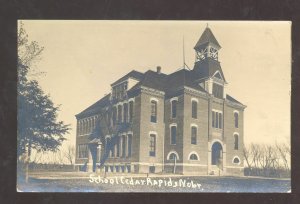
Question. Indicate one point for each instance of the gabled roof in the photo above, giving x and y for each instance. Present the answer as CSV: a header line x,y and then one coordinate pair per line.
x,y
207,68
229,98
152,80
133,74
96,106
207,37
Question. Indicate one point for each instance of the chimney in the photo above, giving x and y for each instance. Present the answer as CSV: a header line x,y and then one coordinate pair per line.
x,y
158,69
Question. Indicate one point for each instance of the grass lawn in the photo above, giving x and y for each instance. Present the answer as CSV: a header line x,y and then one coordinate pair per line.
x,y
154,184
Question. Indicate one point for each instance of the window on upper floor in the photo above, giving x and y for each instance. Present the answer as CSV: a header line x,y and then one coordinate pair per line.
x,y
218,90
236,142
119,91
217,120
114,115
193,135
152,145
130,111
153,118
119,113
125,106
173,134
173,108
236,120
194,109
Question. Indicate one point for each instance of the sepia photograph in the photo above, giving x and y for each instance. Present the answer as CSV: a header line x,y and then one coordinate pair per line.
x,y
154,106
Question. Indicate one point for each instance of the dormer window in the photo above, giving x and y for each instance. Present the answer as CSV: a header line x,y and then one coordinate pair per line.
x,y
119,91
217,90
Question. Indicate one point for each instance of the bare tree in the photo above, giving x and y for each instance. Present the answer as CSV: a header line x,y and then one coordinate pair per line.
x,y
70,154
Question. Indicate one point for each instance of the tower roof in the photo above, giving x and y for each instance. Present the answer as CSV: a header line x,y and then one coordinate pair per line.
x,y
206,38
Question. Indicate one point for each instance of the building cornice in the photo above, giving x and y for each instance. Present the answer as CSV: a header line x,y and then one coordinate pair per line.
x,y
194,92
153,92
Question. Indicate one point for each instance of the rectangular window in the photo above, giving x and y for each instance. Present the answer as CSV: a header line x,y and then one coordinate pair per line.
x,y
218,91
173,134
125,113
194,135
130,111
213,118
236,120
174,108
83,151
236,142
119,113
153,112
217,120
194,109
123,146
114,116
129,144
220,120
152,145
118,147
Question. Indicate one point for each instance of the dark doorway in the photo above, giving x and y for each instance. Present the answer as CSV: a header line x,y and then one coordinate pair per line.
x,y
216,153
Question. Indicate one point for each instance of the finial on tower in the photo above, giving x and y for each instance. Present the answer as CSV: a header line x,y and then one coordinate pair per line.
x,y
206,25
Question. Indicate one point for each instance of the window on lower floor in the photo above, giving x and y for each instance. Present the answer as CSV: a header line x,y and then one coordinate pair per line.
x,y
152,145
193,157
129,144
173,156
123,146
82,151
194,135
236,160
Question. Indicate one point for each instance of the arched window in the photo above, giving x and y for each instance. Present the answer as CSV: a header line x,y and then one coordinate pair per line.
x,y
193,157
173,156
153,118
193,135
174,108
173,134
194,109
236,142
236,120
236,160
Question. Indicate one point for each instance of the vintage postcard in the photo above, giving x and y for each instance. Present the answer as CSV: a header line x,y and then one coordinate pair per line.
x,y
154,106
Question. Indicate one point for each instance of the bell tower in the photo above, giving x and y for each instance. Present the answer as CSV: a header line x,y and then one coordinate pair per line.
x,y
207,69
207,46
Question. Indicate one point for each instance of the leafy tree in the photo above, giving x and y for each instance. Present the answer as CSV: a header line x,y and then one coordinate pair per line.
x,y
38,127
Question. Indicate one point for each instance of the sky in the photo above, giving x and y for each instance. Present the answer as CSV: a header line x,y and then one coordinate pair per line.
x,y
82,58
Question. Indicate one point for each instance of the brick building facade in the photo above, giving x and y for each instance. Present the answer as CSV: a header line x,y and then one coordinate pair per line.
x,y
183,122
